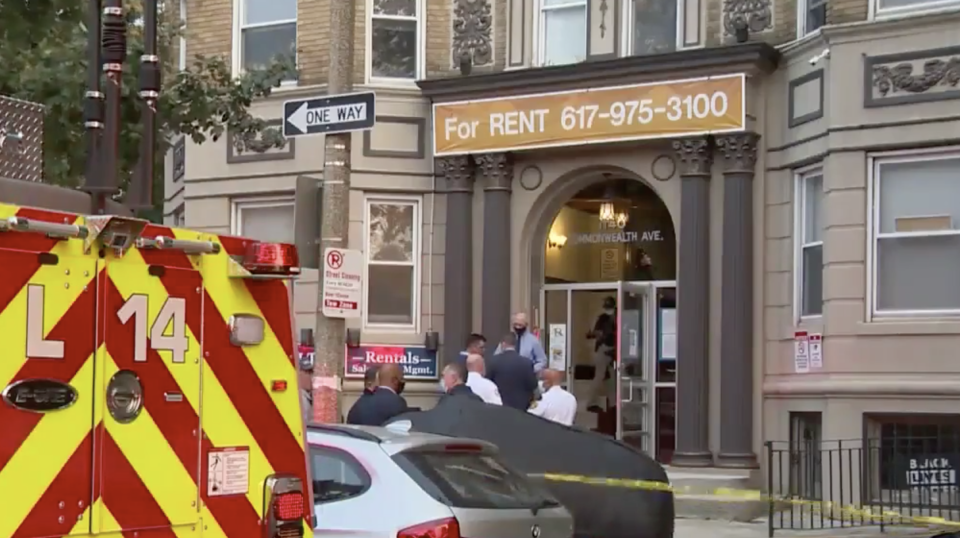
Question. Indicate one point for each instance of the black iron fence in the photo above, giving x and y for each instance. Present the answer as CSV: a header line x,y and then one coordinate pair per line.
x,y
872,482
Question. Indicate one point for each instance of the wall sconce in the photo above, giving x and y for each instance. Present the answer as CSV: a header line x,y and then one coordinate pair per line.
x,y
556,241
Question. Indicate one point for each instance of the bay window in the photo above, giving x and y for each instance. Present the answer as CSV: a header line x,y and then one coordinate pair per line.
x,y
562,31
266,30
916,233
652,26
392,249
393,43
809,241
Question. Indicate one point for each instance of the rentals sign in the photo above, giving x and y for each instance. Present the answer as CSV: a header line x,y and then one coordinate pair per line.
x,y
615,114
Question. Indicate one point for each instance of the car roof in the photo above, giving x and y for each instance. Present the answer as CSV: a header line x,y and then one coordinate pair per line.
x,y
393,439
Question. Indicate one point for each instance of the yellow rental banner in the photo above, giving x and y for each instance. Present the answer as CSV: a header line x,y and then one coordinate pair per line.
x,y
590,116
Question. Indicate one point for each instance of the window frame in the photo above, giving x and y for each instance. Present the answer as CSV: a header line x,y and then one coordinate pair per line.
x,y
803,9
182,53
874,162
236,55
417,284
347,459
237,205
800,178
388,82
626,27
539,33
930,6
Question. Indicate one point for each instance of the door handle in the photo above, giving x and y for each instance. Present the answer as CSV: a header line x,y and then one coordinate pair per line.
x,y
630,390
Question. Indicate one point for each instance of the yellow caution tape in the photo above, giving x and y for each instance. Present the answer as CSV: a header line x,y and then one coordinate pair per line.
x,y
732,494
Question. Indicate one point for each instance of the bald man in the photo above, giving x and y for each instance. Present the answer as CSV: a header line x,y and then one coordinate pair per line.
x,y
385,402
528,345
556,404
481,386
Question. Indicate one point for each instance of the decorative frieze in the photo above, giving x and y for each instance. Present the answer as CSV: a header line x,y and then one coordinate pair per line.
x,y
472,32
757,14
912,77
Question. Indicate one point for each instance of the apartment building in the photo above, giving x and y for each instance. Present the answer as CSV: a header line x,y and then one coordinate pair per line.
x,y
763,187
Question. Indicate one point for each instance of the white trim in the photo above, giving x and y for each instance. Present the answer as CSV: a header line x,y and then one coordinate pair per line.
x,y
385,82
626,27
539,33
236,56
875,12
874,162
182,53
800,177
237,205
396,199
803,9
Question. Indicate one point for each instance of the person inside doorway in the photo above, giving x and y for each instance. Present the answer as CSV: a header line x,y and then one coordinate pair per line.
x,y
604,335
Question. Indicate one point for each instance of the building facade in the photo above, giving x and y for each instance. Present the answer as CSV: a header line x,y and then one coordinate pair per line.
x,y
763,187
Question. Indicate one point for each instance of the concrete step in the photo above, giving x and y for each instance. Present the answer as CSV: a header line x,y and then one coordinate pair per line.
x,y
696,496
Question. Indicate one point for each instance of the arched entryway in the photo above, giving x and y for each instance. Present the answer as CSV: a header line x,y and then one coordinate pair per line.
x,y
603,259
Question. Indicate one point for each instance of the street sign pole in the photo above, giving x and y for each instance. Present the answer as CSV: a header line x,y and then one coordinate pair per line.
x,y
330,334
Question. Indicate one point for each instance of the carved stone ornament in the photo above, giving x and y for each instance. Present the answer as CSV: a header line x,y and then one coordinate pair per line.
x,y
901,78
758,14
497,170
739,151
472,31
457,171
695,155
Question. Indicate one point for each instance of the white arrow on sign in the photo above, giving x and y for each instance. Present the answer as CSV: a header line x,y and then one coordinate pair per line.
x,y
303,118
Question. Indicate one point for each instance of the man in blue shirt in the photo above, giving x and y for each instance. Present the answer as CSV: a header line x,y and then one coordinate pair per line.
x,y
528,345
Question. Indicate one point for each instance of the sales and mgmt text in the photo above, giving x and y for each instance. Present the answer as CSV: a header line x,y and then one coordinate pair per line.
x,y
643,111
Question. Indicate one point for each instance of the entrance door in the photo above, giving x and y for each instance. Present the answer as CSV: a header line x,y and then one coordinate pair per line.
x,y
634,379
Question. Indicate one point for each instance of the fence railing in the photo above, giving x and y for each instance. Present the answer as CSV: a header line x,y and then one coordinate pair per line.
x,y
834,484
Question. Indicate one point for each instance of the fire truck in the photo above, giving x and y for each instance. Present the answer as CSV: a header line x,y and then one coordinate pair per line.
x,y
148,378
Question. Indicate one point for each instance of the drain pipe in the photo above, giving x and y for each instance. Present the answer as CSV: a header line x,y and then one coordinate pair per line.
x,y
433,219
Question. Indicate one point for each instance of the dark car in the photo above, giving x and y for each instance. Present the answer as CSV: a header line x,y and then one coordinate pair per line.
x,y
537,446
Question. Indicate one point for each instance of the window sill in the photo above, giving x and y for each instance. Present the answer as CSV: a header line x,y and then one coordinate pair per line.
x,y
905,326
392,83
811,322
917,11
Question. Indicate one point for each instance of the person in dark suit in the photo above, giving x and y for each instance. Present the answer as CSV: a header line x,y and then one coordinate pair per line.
x,y
369,387
455,382
384,402
513,374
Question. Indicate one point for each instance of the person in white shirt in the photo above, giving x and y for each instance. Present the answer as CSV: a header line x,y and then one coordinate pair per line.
x,y
480,385
556,404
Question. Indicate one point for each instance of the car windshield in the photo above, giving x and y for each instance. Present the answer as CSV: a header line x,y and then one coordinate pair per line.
x,y
473,480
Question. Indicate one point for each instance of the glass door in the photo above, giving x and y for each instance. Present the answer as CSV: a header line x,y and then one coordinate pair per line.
x,y
634,379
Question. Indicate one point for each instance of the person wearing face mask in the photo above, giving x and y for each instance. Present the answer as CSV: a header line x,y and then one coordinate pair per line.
x,y
528,345
604,335
385,402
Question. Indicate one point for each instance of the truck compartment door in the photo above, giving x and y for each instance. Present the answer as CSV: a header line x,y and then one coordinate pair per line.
x,y
48,292
149,437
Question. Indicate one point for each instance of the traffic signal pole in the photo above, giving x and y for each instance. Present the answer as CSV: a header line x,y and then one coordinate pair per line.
x,y
330,333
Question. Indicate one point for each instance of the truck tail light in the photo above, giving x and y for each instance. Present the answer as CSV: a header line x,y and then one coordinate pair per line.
x,y
272,259
441,528
283,503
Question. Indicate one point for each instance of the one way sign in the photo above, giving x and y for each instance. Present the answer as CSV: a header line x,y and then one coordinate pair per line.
x,y
329,114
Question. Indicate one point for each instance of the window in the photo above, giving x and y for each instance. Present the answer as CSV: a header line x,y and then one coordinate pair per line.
x,y
337,476
393,250
472,480
811,15
809,239
653,26
179,217
885,8
563,31
264,219
394,40
266,30
183,35
916,233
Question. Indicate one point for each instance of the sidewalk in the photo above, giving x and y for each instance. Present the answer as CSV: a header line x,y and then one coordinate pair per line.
x,y
701,528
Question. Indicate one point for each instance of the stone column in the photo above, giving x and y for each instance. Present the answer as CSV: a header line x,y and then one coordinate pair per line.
x,y
457,173
496,172
739,154
693,304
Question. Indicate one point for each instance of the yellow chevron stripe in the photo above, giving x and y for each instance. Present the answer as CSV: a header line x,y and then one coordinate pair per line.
x,y
227,428
154,460
42,455
232,297
57,300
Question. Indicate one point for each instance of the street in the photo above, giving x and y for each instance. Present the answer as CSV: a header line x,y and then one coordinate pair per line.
x,y
701,528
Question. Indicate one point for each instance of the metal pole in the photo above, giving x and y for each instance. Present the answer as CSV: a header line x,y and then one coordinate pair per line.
x,y
93,108
330,334
140,192
114,51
